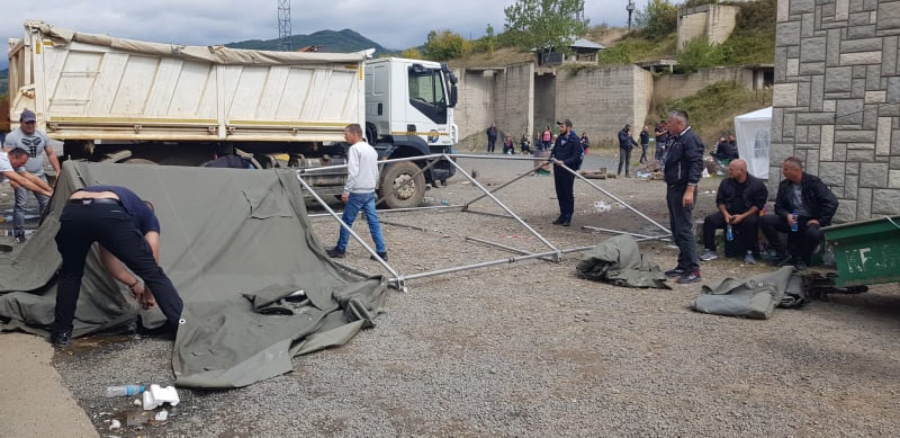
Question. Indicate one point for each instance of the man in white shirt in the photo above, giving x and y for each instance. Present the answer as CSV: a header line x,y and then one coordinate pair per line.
x,y
359,191
37,145
13,160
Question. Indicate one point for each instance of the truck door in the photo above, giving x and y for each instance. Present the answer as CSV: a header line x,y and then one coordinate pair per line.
x,y
427,106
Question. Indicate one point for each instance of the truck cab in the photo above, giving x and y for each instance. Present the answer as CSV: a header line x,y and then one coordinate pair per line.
x,y
409,112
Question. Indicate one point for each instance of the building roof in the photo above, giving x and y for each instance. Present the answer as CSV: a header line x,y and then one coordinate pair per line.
x,y
581,43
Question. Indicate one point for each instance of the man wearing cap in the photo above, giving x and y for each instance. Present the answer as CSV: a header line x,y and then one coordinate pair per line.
x,y
35,142
567,150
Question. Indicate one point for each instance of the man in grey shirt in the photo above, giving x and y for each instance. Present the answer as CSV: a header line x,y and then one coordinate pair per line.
x,y
359,191
35,142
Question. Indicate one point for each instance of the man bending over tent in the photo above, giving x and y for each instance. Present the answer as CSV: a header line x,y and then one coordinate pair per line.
x,y
128,232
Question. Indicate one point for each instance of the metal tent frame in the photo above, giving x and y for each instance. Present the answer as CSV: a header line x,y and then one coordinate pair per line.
x,y
552,254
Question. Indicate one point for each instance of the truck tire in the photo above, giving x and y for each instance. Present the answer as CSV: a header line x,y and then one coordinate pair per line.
x,y
393,193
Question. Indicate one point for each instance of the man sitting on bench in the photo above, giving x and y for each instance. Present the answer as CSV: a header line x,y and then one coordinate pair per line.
x,y
740,198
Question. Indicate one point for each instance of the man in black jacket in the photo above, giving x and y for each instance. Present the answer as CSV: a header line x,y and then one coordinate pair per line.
x,y
567,150
683,168
726,150
626,143
806,201
740,198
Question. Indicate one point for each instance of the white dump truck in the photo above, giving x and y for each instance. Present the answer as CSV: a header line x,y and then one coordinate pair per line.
x,y
130,101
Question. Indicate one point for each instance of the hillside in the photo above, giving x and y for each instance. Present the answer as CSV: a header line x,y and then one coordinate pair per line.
x,y
344,41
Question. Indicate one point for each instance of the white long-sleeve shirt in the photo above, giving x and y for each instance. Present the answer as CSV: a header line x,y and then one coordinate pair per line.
x,y
362,169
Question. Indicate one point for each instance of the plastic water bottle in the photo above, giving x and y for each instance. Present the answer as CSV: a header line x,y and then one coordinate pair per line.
x,y
124,390
729,234
795,226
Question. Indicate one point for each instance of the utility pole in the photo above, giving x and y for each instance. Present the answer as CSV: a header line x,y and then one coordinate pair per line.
x,y
284,25
630,9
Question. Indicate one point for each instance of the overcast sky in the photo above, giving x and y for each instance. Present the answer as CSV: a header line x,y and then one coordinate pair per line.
x,y
395,24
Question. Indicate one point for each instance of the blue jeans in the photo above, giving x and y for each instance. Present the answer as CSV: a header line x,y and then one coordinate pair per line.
x,y
365,202
22,203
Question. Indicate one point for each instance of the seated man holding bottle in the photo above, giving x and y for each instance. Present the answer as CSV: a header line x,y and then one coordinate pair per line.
x,y
740,198
804,204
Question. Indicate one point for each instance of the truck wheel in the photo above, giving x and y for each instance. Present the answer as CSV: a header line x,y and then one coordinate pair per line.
x,y
394,193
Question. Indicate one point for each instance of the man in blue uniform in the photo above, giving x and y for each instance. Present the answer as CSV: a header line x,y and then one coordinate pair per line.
x,y
567,150
128,233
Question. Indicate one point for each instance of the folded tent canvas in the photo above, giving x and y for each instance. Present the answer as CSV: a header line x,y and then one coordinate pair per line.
x,y
235,243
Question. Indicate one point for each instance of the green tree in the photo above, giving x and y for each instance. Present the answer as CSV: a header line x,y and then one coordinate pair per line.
x,y
658,20
490,39
445,45
545,24
699,53
411,53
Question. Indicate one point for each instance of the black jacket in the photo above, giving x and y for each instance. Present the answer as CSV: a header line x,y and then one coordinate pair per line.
x,y
625,141
569,151
645,138
817,199
755,194
684,159
726,151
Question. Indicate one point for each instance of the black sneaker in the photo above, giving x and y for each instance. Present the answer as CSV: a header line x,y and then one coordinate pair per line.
x,y
383,256
61,339
693,277
566,223
335,253
675,273
20,238
557,221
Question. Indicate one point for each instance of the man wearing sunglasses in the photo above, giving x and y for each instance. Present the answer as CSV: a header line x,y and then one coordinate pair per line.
x,y
35,142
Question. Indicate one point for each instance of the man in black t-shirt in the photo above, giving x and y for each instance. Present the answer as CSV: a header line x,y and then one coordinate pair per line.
x,y
740,198
128,233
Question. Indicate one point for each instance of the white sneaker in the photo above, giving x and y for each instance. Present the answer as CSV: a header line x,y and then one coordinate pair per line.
x,y
708,255
749,259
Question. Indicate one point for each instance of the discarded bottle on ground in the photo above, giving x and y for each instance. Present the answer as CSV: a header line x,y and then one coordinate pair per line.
x,y
729,234
124,390
795,226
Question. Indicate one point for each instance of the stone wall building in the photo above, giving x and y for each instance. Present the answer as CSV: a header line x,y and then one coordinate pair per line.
x,y
837,100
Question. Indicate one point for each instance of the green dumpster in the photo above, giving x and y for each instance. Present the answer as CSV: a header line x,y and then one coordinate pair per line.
x,y
866,252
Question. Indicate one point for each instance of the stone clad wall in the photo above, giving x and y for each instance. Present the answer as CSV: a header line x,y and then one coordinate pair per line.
x,y
837,100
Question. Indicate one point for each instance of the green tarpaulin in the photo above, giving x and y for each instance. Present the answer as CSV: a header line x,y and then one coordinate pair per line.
x,y
235,243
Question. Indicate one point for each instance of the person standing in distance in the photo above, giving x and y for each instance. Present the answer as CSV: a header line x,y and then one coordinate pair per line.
x,y
36,143
492,137
683,168
567,150
127,230
359,192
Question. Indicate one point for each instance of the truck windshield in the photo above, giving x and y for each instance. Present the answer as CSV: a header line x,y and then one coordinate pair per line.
x,y
426,93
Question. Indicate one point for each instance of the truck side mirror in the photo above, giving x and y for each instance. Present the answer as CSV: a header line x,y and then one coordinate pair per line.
x,y
454,95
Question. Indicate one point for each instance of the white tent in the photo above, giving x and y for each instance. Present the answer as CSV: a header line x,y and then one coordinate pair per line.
x,y
754,132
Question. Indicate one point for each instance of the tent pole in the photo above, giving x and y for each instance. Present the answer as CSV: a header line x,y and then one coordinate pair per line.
x,y
643,236
399,210
559,164
350,230
497,189
504,207
393,160
503,247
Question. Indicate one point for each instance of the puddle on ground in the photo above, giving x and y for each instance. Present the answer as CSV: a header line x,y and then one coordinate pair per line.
x,y
94,342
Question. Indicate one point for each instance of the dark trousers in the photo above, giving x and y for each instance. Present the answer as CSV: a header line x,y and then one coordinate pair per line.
x,y
644,152
492,141
111,226
747,232
682,225
624,160
800,244
565,183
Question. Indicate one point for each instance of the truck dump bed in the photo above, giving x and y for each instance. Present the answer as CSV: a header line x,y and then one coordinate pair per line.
x,y
97,87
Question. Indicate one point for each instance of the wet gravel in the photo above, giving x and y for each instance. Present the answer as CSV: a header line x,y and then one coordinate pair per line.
x,y
528,349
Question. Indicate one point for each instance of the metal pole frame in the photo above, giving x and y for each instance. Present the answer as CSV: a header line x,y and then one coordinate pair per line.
x,y
561,165
399,281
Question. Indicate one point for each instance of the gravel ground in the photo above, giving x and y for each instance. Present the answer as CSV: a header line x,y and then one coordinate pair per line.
x,y
528,349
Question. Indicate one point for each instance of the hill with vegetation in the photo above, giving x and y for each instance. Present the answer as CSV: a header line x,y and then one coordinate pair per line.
x,y
344,41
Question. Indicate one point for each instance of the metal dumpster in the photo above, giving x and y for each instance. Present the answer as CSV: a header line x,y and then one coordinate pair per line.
x,y
866,252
